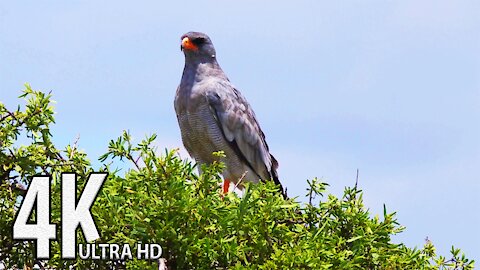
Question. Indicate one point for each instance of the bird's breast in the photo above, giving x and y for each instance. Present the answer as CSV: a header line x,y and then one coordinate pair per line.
x,y
201,134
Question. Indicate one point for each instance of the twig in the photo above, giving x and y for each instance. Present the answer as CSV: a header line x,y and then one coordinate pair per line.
x,y
11,153
63,164
39,263
5,116
356,181
129,157
19,188
240,180
9,113
74,148
22,121
139,157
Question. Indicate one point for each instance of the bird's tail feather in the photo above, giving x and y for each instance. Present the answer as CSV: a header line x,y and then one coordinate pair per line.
x,y
274,174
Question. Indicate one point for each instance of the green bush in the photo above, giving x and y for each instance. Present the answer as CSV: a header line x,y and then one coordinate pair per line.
x,y
161,199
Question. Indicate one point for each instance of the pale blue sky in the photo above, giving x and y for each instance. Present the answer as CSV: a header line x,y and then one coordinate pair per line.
x,y
389,87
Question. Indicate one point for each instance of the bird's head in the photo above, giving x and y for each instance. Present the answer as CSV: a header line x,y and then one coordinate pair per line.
x,y
196,45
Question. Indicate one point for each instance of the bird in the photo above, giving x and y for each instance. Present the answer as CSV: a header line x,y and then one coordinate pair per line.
x,y
214,116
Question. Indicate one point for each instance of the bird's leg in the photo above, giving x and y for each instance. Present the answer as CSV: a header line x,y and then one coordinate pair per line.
x,y
226,186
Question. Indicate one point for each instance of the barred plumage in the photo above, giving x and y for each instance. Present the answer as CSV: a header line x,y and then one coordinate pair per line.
x,y
214,116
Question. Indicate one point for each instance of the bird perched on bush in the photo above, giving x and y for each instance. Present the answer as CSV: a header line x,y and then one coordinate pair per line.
x,y
214,116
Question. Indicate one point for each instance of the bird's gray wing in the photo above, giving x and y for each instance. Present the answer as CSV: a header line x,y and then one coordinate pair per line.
x,y
240,127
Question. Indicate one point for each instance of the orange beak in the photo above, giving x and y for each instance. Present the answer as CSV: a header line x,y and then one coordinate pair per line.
x,y
187,44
